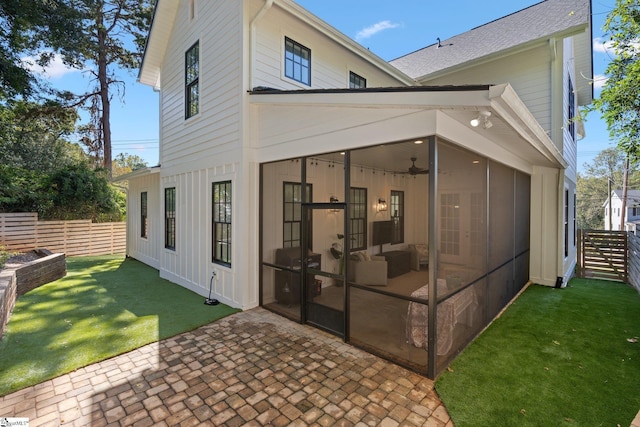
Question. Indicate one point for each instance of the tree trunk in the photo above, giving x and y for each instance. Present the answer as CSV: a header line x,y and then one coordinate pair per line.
x,y
104,92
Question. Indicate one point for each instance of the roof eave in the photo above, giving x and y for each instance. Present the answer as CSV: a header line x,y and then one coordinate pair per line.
x,y
505,101
575,30
161,26
137,173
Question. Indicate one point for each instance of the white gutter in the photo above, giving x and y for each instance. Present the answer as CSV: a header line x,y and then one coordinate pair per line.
x,y
137,173
252,43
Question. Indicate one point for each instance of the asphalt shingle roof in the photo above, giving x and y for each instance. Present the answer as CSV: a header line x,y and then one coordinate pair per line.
x,y
527,25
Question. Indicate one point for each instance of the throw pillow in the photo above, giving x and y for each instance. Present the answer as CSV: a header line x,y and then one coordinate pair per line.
x,y
367,257
422,250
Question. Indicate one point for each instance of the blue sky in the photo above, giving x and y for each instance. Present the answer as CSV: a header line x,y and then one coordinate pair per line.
x,y
389,29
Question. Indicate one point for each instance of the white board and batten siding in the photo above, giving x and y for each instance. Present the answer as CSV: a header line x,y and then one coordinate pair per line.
x,y
204,148
190,264
145,249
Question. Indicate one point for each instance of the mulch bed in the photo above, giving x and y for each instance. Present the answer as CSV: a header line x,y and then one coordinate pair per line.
x,y
20,259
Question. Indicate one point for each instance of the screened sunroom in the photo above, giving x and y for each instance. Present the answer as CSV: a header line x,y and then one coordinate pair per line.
x,y
409,246
354,241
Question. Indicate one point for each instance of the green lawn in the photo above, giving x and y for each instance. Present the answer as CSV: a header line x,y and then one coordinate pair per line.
x,y
105,306
555,357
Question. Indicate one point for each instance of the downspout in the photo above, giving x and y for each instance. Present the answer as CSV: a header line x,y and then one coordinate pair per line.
x,y
557,111
252,38
561,219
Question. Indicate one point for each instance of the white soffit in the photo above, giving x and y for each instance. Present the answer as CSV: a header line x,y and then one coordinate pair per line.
x,y
157,42
516,134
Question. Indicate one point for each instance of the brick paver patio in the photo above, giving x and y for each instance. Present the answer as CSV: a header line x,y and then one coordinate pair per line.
x,y
249,369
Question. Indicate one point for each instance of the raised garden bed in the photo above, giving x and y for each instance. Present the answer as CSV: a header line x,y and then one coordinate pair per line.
x,y
25,272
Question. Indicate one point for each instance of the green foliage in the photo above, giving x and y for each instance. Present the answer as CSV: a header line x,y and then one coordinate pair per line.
x,y
4,256
36,28
23,190
124,163
72,192
42,172
619,101
32,135
77,191
593,186
110,28
39,169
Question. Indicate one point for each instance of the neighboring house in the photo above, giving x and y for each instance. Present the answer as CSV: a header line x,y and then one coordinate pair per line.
x,y
280,133
613,215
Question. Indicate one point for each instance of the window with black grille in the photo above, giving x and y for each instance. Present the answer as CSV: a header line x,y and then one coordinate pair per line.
x,y
292,214
192,80
297,62
356,81
221,251
144,212
358,218
397,216
170,218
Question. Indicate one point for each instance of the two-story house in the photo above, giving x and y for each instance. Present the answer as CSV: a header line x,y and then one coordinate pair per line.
x,y
302,173
613,211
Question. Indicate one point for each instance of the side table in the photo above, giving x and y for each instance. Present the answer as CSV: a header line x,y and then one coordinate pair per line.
x,y
398,262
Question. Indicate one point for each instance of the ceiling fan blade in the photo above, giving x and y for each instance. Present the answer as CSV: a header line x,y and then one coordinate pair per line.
x,y
414,170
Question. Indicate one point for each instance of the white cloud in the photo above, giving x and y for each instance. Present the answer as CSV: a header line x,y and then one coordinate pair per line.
x,y
602,47
607,46
375,29
55,69
599,80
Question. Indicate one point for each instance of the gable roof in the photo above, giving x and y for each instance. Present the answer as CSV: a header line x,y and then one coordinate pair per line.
x,y
165,13
633,197
527,27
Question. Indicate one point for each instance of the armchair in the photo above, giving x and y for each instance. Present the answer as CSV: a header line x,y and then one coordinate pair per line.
x,y
367,270
419,256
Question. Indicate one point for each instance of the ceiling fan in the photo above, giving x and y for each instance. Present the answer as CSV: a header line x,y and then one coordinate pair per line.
x,y
414,170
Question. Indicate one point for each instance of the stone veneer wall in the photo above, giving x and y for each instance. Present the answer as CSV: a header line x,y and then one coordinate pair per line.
x,y
18,281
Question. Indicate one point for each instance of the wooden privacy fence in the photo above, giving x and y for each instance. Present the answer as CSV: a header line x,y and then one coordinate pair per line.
x,y
634,260
603,254
23,232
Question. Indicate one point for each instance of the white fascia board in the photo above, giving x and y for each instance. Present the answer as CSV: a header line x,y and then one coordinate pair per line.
x,y
137,174
314,22
157,42
395,99
507,104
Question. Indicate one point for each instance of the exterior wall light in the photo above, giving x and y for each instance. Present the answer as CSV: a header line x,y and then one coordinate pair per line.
x,y
382,204
334,199
482,120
